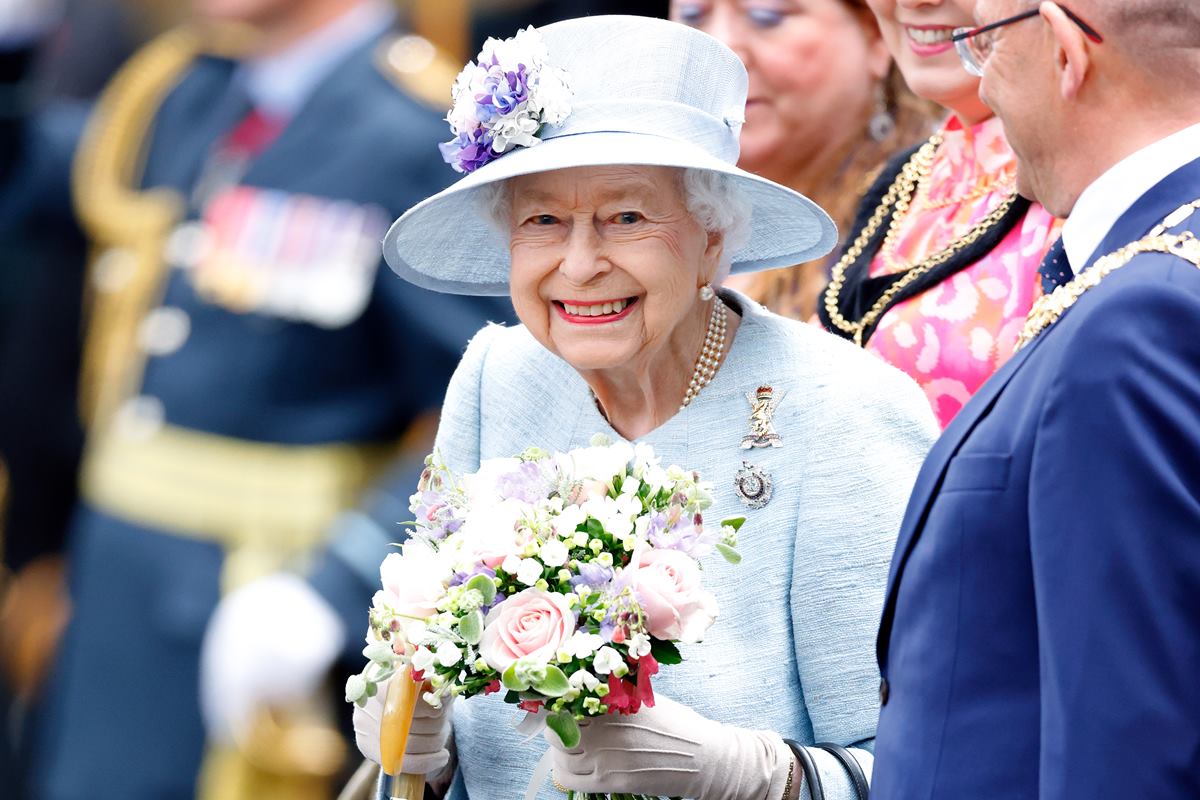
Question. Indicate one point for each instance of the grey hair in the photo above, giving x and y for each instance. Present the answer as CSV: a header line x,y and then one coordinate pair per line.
x,y
713,199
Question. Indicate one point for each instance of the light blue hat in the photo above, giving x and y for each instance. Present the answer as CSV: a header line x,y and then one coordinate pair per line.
x,y
641,91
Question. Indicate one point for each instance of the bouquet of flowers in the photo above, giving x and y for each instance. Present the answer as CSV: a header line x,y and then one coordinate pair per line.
x,y
562,580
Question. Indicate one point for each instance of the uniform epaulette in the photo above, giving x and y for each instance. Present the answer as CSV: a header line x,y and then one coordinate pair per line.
x,y
419,68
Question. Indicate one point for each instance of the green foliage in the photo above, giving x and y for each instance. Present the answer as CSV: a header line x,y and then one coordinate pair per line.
x,y
485,586
564,724
470,627
731,555
665,652
554,684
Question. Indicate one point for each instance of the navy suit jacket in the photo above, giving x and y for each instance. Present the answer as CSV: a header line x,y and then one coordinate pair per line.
x,y
1041,633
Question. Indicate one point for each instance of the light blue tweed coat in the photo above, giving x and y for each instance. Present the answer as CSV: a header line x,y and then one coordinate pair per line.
x,y
793,648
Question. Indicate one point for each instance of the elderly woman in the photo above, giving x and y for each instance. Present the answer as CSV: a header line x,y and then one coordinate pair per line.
x,y
610,231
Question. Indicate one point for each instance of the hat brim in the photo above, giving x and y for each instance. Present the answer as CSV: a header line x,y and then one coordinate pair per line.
x,y
446,244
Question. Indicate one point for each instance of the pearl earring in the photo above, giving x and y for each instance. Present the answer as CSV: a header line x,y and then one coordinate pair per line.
x,y
707,293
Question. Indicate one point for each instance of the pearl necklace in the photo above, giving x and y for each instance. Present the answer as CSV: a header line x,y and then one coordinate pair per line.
x,y
710,355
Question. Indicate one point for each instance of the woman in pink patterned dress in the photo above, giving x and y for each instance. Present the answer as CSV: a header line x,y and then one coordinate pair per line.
x,y
941,265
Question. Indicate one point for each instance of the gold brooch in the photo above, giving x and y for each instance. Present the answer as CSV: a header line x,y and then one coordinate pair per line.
x,y
763,403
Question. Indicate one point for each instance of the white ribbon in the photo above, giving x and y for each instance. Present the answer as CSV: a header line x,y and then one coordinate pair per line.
x,y
532,725
540,773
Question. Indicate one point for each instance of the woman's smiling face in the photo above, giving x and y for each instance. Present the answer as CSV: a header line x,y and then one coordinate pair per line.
x,y
607,263
917,33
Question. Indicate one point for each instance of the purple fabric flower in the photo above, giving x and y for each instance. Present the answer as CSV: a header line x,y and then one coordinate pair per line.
x,y
468,151
503,93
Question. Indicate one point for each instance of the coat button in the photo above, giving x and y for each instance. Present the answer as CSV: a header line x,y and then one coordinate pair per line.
x,y
884,692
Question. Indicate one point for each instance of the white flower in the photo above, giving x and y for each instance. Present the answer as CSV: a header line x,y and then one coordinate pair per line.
x,y
530,571
568,520
511,564
582,679
582,644
553,553
422,659
600,463
607,660
639,645
448,654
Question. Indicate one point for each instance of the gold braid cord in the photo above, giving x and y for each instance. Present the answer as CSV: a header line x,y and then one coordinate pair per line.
x,y
900,196
1050,307
128,227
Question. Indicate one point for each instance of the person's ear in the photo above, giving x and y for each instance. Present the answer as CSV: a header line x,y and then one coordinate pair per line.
x,y
713,251
879,58
1072,57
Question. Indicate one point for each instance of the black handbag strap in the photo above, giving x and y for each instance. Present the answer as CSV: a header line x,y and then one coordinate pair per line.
x,y
812,775
852,767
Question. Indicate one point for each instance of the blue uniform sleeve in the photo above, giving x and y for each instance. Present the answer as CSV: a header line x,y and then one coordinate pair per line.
x,y
346,573
1115,540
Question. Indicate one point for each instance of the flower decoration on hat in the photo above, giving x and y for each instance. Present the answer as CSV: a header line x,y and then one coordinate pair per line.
x,y
503,99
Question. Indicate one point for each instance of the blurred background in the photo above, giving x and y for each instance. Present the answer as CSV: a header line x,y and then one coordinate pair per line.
x,y
97,699
214,402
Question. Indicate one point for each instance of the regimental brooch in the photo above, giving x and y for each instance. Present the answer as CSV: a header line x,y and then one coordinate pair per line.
x,y
752,485
763,403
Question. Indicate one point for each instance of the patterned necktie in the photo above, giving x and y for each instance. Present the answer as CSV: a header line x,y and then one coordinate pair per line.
x,y
1055,269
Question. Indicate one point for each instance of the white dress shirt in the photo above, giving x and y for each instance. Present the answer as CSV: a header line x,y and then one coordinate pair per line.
x,y
279,84
1115,192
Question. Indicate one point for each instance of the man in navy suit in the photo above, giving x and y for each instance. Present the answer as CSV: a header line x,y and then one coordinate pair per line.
x,y
1041,633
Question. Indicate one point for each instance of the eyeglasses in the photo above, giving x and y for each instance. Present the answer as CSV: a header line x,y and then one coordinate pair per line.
x,y
975,45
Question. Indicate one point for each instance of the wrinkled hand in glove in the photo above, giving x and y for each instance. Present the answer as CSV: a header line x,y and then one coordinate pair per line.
x,y
671,751
426,753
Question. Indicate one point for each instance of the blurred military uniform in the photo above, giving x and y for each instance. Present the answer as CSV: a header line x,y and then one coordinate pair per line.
x,y
249,372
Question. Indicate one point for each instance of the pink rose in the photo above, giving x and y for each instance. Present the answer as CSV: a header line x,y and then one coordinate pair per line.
x,y
531,624
667,584
414,583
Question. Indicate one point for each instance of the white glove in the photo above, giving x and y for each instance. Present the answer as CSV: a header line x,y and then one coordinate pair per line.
x,y
269,643
671,751
426,752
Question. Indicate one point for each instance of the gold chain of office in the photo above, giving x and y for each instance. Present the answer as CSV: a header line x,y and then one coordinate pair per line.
x,y
900,196
1050,307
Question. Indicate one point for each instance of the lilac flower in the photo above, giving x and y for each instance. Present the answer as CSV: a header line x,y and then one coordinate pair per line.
x,y
526,483
593,575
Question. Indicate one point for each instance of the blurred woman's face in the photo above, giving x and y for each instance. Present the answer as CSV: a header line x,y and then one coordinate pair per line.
x,y
814,66
917,33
